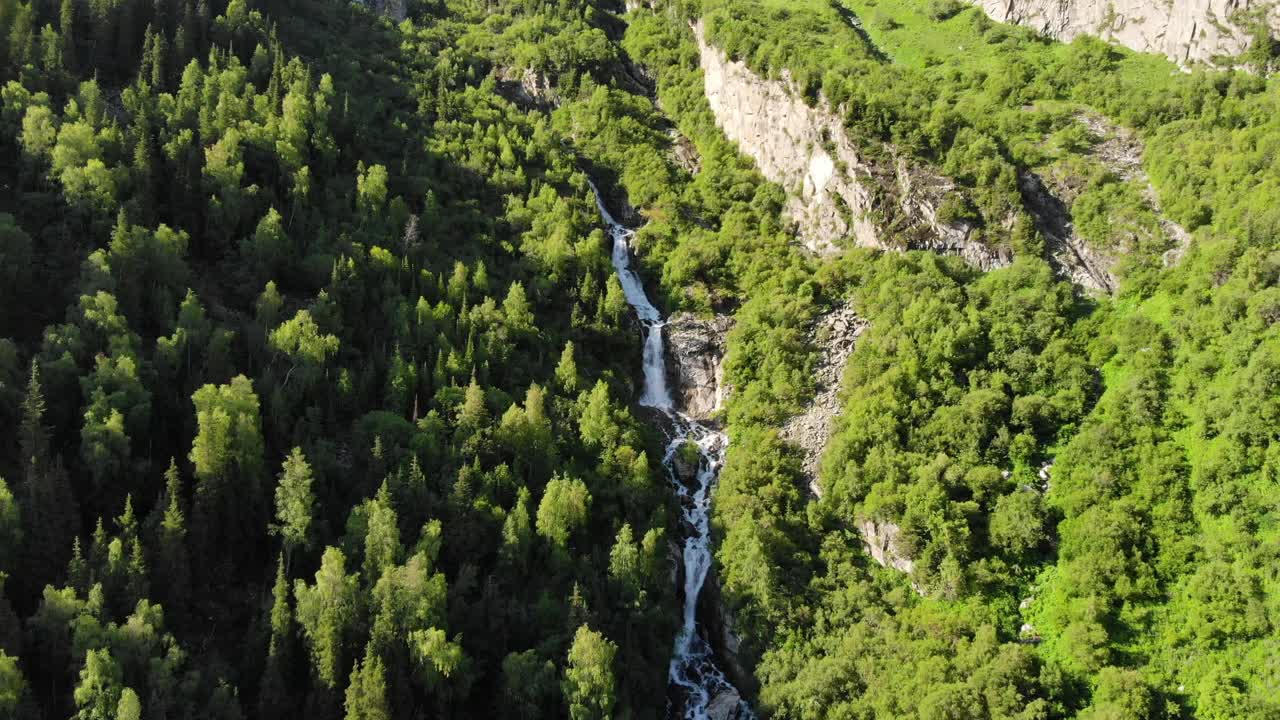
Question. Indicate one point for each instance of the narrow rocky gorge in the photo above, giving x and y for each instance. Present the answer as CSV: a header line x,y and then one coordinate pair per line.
x,y
698,688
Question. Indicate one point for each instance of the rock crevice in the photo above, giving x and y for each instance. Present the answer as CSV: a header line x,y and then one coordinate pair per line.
x,y
834,334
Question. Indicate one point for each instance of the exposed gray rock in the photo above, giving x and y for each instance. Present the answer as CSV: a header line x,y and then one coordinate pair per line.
x,y
684,153
686,467
1070,254
695,362
834,190
528,88
834,334
396,10
881,539
726,705
1184,30
723,634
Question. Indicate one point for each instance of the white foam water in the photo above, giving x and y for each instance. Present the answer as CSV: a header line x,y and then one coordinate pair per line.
x,y
694,677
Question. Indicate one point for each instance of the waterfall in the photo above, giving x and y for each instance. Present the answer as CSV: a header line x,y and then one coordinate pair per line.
x,y
698,683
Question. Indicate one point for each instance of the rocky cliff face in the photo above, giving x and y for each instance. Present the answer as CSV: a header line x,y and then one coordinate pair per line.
x,y
727,643
695,363
834,191
1185,30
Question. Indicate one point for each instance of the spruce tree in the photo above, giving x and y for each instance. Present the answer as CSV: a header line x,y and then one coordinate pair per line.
x,y
33,436
172,566
275,697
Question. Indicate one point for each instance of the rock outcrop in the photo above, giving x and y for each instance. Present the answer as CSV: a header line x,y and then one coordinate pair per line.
x,y
684,153
1071,256
834,334
695,363
528,88
1184,30
881,540
834,191
726,705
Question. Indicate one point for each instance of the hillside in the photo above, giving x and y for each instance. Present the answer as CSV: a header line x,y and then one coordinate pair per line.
x,y
691,358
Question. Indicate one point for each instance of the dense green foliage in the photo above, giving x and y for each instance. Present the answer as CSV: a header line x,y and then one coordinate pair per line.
x,y
317,374
1079,483
359,306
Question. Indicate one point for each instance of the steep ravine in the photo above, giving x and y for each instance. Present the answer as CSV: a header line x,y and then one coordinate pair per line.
x,y
697,688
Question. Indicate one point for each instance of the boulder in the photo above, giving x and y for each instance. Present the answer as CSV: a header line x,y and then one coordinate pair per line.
x,y
726,704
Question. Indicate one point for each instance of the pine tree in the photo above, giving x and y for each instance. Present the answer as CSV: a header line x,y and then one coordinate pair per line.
x,y
625,566
51,516
127,523
33,436
382,547
472,414
98,694
98,551
563,509
143,168
281,614
78,570
274,698
227,454
517,533
136,587
67,28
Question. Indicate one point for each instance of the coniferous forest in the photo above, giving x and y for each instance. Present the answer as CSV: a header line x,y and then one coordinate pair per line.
x,y
318,387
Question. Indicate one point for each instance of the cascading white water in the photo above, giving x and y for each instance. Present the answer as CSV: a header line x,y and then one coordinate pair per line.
x,y
693,671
